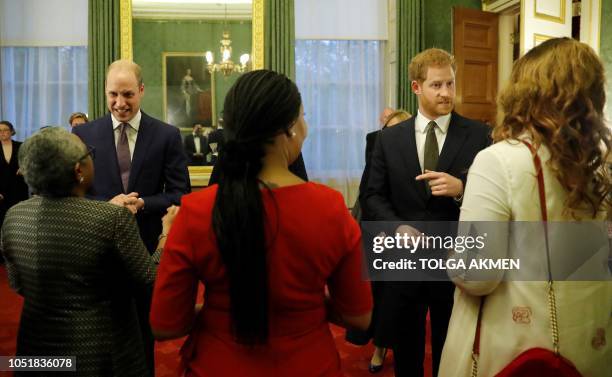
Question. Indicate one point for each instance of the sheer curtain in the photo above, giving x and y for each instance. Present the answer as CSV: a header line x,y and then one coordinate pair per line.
x,y
42,86
342,87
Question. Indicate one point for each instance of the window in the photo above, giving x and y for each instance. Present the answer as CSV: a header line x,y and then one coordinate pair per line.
x,y
42,86
342,88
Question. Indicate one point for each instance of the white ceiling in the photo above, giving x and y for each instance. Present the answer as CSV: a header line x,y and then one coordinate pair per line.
x,y
192,9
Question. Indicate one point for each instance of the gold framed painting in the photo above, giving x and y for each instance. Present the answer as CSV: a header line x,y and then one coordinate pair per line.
x,y
188,90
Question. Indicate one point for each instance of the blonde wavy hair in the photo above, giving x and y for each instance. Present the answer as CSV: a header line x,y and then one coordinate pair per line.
x,y
557,96
396,117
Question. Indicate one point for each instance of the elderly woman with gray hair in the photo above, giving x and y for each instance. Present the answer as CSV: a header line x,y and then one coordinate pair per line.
x,y
76,262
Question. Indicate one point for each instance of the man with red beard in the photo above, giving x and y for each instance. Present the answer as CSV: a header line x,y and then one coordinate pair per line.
x,y
140,164
418,172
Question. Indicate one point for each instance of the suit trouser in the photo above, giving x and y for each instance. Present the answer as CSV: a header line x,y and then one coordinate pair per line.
x,y
410,319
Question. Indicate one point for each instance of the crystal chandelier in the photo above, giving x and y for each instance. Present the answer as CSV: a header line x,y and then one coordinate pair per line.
x,y
226,66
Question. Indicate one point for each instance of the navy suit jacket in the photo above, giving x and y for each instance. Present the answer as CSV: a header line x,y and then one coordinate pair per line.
x,y
393,194
158,172
391,191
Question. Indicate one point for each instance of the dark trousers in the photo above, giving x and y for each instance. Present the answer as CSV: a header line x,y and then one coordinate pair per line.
x,y
410,319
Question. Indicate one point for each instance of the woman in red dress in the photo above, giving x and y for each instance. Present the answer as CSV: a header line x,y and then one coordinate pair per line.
x,y
265,244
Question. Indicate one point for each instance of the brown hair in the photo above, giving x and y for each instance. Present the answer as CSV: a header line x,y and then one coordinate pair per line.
x,y
9,125
432,57
400,115
557,96
77,115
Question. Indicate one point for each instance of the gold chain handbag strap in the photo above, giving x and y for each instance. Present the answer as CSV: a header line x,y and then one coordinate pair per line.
x,y
552,308
552,302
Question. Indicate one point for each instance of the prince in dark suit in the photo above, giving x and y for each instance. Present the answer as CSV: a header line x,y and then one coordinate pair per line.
x,y
140,163
418,172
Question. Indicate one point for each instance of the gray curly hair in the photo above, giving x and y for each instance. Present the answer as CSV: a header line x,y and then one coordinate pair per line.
x,y
47,161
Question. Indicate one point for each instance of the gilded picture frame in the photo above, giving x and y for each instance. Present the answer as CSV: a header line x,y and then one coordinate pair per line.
x,y
199,175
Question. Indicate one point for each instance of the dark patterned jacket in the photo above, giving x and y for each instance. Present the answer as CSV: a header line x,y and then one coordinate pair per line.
x,y
77,263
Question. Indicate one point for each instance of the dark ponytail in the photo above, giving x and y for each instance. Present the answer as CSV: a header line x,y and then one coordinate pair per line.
x,y
259,106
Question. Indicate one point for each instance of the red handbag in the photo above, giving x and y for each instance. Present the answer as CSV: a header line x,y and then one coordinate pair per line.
x,y
539,362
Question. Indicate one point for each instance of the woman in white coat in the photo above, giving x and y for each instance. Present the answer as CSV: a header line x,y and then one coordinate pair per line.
x,y
555,102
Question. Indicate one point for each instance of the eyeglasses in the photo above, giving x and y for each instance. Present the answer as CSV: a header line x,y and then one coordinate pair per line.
x,y
91,151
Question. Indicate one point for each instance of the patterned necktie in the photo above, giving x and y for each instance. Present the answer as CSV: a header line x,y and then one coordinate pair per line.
x,y
430,156
123,156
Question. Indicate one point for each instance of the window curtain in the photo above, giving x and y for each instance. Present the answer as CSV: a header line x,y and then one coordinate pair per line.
x,y
410,41
279,37
104,48
342,85
42,86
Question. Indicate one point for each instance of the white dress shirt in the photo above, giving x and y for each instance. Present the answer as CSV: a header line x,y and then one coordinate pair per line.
x,y
132,131
420,129
196,142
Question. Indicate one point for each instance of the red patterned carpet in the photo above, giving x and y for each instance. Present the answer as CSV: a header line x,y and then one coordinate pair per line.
x,y
354,359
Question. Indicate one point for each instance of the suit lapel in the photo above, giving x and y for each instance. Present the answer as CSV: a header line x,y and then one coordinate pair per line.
x,y
143,140
457,133
410,157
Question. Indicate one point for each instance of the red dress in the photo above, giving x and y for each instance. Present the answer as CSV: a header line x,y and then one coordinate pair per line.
x,y
317,244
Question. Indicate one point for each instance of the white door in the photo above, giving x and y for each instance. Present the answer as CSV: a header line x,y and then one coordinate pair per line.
x,y
544,19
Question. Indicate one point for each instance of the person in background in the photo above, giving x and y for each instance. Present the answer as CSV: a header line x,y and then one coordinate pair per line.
x,y
554,102
13,188
388,118
384,115
141,163
210,158
77,269
418,171
255,240
196,146
215,142
77,119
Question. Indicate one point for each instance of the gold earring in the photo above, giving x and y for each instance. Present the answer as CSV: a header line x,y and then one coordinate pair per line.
x,y
293,134
81,179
